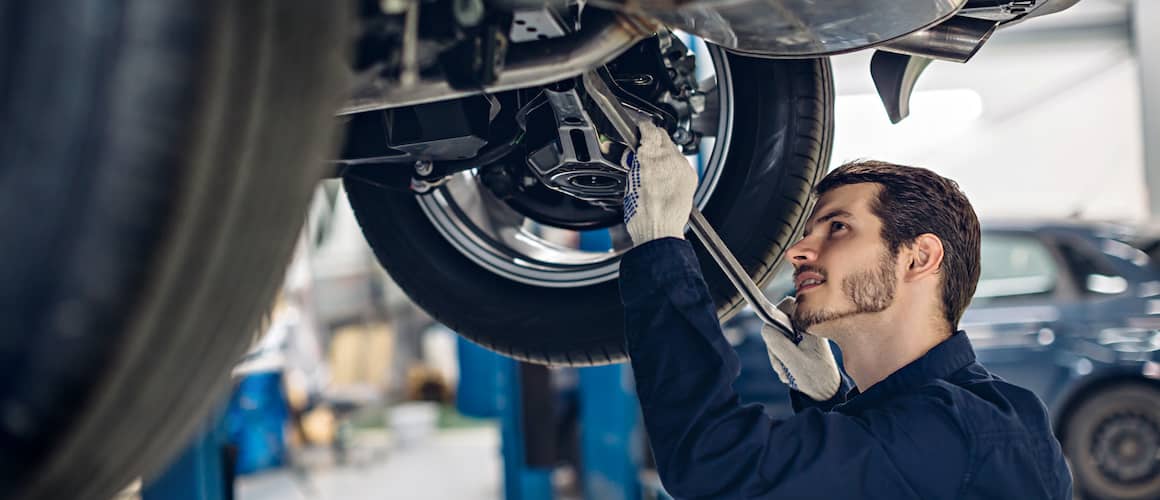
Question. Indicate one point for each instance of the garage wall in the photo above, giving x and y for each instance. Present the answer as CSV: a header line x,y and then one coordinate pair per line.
x,y
1043,122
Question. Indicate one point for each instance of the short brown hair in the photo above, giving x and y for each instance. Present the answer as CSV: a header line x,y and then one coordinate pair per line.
x,y
914,201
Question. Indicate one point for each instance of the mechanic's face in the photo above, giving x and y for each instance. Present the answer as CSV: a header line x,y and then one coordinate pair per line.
x,y
842,267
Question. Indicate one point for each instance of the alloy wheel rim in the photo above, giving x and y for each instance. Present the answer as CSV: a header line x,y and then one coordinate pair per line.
x,y
496,237
1126,448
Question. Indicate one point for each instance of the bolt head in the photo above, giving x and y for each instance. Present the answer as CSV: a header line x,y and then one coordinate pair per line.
x,y
424,167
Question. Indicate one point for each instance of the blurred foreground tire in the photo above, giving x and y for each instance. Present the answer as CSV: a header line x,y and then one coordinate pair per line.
x,y
1113,442
156,159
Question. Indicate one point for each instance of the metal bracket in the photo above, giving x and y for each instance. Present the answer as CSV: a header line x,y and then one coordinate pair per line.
x,y
894,76
578,166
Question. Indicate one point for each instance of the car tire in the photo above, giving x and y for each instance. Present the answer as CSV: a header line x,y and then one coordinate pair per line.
x,y
780,146
1101,422
155,166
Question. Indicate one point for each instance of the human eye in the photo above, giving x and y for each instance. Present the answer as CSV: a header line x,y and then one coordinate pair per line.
x,y
837,227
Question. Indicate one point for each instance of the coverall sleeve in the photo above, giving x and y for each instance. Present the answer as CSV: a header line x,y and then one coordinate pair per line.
x,y
705,442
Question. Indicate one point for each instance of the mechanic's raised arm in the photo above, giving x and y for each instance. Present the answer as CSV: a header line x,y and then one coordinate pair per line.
x,y
706,443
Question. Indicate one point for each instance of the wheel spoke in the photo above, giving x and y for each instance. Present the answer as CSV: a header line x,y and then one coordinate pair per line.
x,y
706,121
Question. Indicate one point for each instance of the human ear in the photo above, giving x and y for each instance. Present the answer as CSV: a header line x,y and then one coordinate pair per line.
x,y
925,256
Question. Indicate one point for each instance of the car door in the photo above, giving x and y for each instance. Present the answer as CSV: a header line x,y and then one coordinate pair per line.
x,y
1020,308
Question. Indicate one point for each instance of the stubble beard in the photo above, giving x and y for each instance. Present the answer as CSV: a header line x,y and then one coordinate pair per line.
x,y
869,291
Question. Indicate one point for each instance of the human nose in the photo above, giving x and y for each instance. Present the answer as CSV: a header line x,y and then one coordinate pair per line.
x,y
802,252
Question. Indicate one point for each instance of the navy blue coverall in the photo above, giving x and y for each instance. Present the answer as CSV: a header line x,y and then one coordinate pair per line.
x,y
940,427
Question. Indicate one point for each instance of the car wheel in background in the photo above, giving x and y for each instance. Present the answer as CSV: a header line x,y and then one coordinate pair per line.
x,y
1112,441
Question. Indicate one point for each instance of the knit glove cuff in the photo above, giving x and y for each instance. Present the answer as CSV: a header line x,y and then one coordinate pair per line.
x,y
807,366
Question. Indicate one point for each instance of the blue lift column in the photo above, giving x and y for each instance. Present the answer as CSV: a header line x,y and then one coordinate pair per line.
x,y
611,440
202,472
493,386
245,434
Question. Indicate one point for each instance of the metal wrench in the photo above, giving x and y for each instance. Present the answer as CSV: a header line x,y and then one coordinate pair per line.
x,y
625,126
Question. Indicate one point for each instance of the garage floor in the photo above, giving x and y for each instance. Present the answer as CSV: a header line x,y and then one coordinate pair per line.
x,y
455,463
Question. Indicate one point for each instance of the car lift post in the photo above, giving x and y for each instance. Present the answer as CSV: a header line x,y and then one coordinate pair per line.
x,y
203,471
611,439
495,386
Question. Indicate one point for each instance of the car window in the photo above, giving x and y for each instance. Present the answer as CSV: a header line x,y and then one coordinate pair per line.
x,y
1092,273
1015,266
1151,247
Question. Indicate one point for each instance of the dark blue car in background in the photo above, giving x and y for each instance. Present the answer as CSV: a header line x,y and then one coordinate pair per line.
x,y
1070,310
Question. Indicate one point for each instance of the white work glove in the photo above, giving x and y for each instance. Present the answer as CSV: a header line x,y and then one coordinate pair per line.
x,y
661,183
809,366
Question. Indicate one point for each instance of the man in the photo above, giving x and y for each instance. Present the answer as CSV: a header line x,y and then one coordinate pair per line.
x,y
887,263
